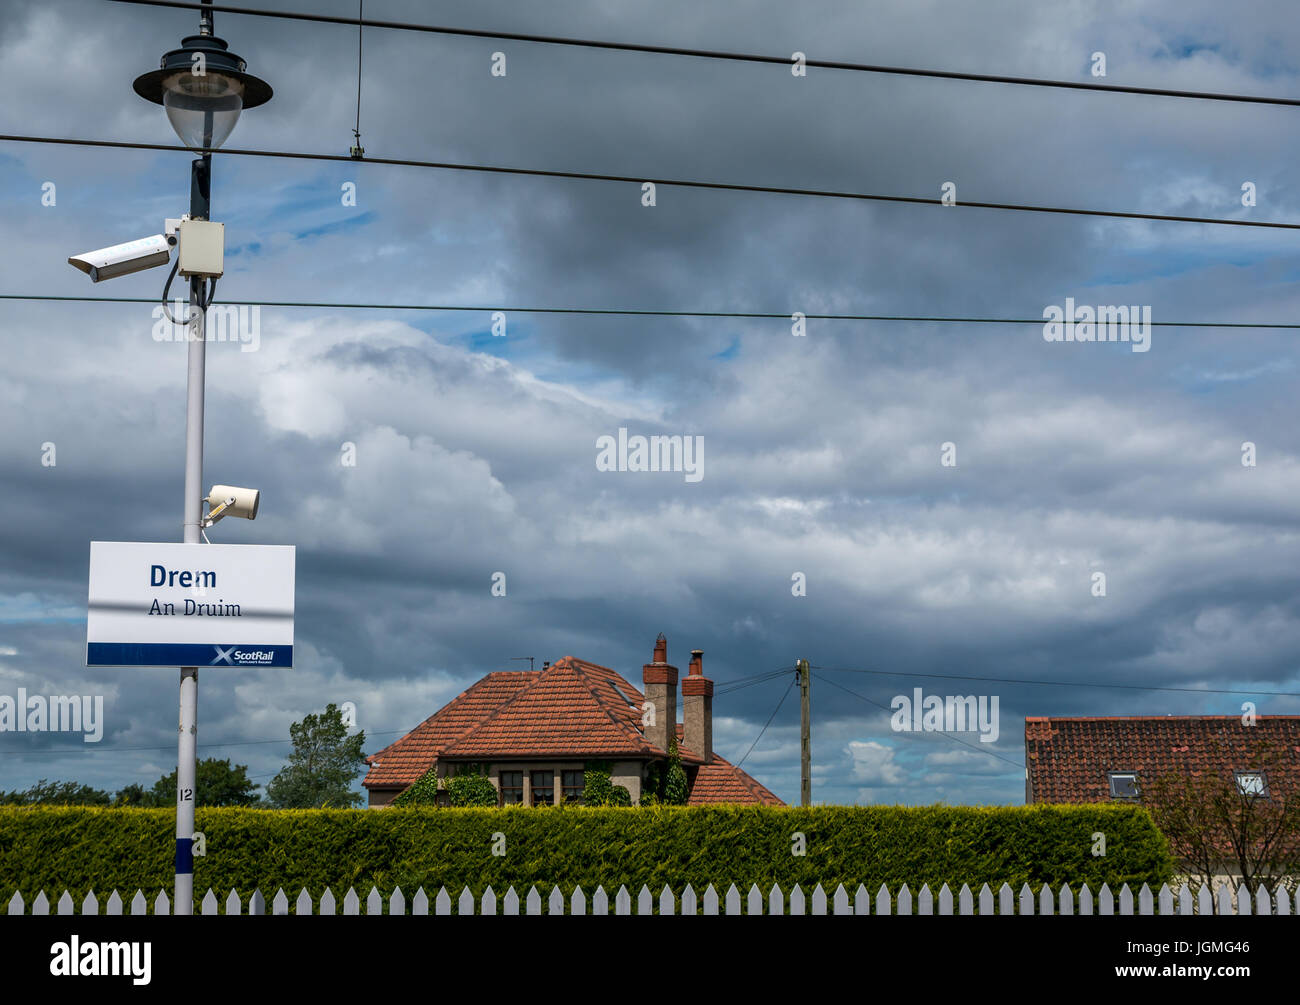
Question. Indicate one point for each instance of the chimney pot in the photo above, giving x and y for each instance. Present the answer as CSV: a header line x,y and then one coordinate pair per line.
x,y
661,649
697,662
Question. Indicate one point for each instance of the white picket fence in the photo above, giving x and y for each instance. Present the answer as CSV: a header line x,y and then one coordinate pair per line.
x,y
710,903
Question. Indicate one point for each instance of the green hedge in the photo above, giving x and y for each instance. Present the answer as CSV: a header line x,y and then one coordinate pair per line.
x,y
80,848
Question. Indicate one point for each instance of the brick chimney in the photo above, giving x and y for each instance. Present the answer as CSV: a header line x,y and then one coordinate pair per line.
x,y
697,708
660,682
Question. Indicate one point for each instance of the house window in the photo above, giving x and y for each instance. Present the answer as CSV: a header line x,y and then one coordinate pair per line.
x,y
572,786
1252,783
543,785
1123,785
512,787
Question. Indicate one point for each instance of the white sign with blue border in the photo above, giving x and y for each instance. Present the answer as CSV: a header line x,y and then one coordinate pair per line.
x,y
190,605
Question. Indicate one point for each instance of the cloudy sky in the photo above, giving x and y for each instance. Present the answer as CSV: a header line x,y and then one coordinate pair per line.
x,y
476,453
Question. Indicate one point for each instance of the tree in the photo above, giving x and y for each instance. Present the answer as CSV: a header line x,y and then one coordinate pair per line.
x,y
653,784
675,787
599,790
323,766
57,794
1216,825
134,794
666,782
216,783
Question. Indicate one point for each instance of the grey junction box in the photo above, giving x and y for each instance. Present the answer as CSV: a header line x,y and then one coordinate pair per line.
x,y
202,248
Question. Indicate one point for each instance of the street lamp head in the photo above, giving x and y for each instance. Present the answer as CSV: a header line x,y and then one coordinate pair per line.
x,y
203,86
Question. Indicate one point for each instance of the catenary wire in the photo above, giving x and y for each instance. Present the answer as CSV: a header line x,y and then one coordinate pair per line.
x,y
719,54
633,312
666,182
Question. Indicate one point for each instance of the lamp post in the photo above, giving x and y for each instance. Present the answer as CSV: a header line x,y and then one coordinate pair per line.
x,y
203,87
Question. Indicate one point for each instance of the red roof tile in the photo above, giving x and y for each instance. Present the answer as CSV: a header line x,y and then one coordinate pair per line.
x,y
1068,760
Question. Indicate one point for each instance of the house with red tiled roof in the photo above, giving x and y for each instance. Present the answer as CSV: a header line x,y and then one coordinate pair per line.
x,y
1099,759
535,731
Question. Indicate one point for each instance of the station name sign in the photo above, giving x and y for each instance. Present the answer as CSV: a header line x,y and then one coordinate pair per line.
x,y
197,605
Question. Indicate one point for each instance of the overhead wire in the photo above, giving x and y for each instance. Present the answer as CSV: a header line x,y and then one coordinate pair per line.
x,y
785,694
1060,683
870,701
666,182
171,746
730,685
636,312
762,679
742,57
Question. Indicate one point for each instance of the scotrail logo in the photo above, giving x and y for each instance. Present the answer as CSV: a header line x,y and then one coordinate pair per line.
x,y
243,657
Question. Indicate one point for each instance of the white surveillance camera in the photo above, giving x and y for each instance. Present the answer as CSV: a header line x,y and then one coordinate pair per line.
x,y
124,259
230,500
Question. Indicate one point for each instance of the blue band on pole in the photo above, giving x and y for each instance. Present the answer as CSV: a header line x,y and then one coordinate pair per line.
x,y
184,855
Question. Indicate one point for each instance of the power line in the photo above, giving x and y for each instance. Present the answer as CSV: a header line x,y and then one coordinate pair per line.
x,y
87,749
869,701
1064,683
785,694
734,684
667,182
740,57
635,312
751,683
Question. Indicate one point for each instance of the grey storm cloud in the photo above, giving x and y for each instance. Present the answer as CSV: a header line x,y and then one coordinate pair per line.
x,y
476,454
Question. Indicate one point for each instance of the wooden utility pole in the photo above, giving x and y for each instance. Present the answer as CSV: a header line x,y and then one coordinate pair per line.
x,y
805,734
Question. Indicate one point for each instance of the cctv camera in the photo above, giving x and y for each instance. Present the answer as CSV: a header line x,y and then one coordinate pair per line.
x,y
124,259
230,500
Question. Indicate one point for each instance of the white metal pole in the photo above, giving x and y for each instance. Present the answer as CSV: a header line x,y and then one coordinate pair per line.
x,y
188,725
186,752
